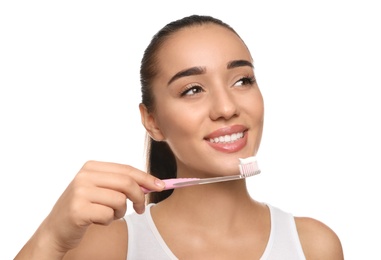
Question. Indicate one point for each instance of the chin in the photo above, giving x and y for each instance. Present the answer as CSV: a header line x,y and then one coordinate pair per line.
x,y
228,168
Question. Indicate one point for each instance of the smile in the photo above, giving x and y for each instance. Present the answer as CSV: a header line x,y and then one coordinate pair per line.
x,y
227,138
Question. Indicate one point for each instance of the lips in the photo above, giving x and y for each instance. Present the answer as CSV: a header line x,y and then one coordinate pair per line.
x,y
228,139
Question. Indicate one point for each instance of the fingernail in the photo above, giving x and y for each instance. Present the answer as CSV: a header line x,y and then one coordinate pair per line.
x,y
139,209
159,183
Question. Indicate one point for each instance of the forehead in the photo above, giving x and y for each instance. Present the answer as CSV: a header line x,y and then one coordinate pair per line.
x,y
209,45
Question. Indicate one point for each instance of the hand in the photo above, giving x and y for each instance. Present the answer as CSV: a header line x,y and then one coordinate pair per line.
x,y
97,195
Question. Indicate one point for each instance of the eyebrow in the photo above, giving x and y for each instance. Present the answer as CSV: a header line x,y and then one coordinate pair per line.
x,y
201,70
188,72
239,63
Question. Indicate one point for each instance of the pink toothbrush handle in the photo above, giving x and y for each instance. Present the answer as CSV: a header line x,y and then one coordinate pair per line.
x,y
170,183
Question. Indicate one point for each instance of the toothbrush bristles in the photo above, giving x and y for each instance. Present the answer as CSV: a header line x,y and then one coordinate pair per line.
x,y
249,166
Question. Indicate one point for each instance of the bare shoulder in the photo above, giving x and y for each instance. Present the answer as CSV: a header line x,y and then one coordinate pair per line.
x,y
102,242
318,240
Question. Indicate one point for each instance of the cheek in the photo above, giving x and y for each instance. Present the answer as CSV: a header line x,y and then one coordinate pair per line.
x,y
181,130
175,123
258,112
254,106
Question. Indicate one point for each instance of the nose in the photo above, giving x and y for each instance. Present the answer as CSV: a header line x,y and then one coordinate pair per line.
x,y
223,105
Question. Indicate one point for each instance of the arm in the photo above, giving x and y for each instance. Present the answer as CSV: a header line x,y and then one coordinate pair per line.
x,y
90,205
102,242
318,240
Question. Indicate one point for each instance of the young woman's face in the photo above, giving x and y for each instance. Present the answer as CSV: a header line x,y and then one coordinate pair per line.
x,y
207,104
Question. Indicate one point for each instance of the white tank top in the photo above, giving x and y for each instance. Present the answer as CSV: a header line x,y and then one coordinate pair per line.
x,y
146,243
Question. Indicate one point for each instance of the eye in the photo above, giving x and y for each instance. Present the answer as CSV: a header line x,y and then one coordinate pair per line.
x,y
191,91
245,81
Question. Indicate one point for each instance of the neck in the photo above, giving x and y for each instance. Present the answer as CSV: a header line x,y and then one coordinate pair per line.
x,y
211,204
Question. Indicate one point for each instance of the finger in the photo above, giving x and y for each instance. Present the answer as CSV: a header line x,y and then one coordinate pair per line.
x,y
110,198
109,167
123,179
139,207
109,181
98,214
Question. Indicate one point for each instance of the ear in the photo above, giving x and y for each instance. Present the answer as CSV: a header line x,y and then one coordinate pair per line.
x,y
149,122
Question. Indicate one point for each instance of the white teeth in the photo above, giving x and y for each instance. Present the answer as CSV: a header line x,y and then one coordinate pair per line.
x,y
226,138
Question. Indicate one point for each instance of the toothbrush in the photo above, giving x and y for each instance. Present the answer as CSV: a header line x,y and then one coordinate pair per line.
x,y
247,167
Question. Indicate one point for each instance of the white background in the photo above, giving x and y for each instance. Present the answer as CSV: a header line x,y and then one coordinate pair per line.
x,y
69,92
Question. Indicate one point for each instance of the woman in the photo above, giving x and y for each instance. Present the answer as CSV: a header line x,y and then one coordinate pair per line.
x,y
202,110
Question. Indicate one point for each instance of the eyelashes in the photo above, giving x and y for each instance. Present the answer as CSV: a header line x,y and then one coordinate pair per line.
x,y
248,80
191,90
194,89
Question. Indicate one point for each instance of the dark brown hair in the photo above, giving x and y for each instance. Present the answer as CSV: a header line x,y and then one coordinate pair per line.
x,y
161,161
